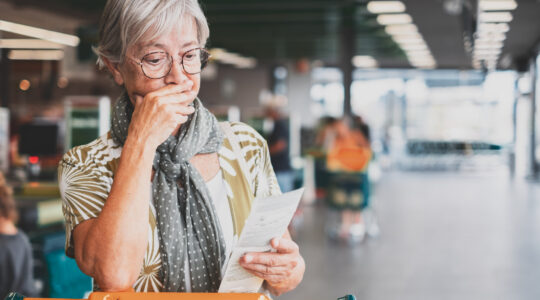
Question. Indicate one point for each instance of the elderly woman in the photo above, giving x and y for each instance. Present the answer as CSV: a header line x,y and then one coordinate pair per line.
x,y
156,203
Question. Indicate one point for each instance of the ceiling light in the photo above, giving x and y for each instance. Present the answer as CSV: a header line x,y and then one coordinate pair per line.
x,y
493,27
382,7
400,29
488,45
409,40
391,19
246,63
414,47
490,38
490,34
495,17
223,56
36,54
419,56
426,61
487,51
364,61
52,36
24,85
28,44
484,56
494,5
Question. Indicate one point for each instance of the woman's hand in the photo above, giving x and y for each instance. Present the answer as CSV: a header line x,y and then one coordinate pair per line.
x,y
160,113
282,270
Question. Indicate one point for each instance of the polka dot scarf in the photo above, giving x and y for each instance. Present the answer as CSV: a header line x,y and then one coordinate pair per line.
x,y
186,218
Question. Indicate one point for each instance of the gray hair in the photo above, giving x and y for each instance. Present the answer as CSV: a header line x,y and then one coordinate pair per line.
x,y
125,22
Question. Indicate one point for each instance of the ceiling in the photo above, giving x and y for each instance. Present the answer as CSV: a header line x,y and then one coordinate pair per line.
x,y
281,30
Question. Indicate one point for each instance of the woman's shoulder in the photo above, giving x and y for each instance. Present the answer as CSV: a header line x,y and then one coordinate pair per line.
x,y
246,133
100,151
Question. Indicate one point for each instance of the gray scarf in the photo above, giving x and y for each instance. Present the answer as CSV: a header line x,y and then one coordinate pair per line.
x,y
186,217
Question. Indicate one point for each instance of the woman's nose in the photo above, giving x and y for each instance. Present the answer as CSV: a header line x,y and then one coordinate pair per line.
x,y
177,73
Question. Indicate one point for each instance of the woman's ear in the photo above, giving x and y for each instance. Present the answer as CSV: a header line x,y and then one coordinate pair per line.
x,y
115,72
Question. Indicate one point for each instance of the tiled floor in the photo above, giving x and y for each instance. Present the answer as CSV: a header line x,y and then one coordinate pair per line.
x,y
443,236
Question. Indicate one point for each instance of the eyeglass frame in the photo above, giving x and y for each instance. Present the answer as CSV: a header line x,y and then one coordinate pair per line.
x,y
140,62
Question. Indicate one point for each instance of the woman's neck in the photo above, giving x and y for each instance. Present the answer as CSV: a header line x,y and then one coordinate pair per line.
x,y
7,227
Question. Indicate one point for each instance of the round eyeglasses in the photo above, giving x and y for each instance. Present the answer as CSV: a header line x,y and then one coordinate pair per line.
x,y
158,64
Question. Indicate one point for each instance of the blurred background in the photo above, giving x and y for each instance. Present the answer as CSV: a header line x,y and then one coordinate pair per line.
x,y
412,124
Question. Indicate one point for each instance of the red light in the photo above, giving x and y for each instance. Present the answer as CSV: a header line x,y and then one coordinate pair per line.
x,y
33,159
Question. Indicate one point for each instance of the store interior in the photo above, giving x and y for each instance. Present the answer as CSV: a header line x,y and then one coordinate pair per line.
x,y
449,90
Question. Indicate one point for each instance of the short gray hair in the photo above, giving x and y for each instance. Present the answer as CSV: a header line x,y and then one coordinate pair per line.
x,y
125,22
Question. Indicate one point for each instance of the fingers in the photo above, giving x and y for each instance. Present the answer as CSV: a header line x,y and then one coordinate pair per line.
x,y
182,91
178,99
268,270
283,245
269,278
138,100
269,259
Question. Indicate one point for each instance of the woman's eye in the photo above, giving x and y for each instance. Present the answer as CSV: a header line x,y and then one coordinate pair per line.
x,y
190,56
154,59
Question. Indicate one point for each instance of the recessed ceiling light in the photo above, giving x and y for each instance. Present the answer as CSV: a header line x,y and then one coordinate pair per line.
x,y
497,5
383,7
392,19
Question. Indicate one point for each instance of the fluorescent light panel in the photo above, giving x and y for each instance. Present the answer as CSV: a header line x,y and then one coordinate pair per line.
x,y
495,17
28,44
497,5
383,7
237,60
489,46
493,27
392,19
490,39
36,54
409,40
48,35
414,47
401,29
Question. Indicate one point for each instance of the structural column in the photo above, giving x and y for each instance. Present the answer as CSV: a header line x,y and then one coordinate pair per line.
x,y
533,167
347,53
4,78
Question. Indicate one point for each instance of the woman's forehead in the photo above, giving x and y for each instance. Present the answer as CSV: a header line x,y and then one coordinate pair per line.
x,y
183,35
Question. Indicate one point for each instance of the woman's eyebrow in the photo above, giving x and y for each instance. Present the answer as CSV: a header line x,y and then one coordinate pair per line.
x,y
191,43
162,46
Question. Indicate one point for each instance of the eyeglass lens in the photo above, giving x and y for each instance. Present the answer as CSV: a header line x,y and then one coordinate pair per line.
x,y
158,64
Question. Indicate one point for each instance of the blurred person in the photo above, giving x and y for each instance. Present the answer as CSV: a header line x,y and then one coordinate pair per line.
x,y
156,203
346,160
278,145
16,266
361,131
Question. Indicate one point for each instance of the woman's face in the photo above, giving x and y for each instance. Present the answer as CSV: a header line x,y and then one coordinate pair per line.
x,y
175,43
